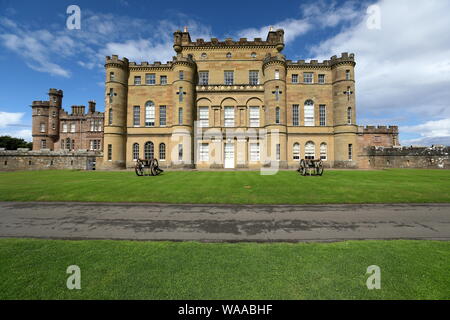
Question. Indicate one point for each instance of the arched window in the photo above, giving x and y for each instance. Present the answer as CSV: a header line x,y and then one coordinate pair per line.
x,y
310,150
296,151
149,150
135,151
323,151
162,151
110,116
309,113
277,115
180,116
150,114
349,115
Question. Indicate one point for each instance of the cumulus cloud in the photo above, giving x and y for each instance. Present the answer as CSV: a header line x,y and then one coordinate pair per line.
x,y
10,124
10,118
292,29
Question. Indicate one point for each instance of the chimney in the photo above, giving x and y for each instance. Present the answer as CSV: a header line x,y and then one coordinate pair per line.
x,y
91,106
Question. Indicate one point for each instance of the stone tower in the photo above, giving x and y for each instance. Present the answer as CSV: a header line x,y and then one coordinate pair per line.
x,y
116,98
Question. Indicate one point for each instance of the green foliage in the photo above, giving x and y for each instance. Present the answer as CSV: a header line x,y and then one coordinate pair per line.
x,y
234,187
36,269
10,143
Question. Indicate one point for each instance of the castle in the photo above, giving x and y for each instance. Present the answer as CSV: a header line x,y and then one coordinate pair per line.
x,y
219,104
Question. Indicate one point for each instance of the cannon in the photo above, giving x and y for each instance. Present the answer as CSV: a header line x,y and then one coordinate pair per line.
x,y
148,167
310,167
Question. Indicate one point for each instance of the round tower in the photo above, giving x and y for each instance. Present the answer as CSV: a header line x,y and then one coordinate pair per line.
x,y
344,110
40,122
55,104
116,98
274,69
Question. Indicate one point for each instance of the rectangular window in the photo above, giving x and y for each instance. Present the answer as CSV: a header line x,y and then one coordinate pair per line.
x,y
295,78
95,144
150,79
347,74
64,127
229,116
204,117
321,78
277,74
229,78
308,77
254,151
136,116
54,114
109,152
162,116
163,80
43,144
254,117
278,154
180,116
137,80
253,77
323,115
112,76
203,78
309,116
150,115
204,152
72,128
350,152
295,115
42,127
181,75
180,152
93,125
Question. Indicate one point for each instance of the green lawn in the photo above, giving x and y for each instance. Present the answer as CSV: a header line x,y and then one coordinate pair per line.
x,y
246,187
36,269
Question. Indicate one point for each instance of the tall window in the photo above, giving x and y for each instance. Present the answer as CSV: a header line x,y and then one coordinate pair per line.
x,y
309,113
277,115
295,78
254,152
135,151
278,152
180,152
350,152
92,125
43,144
162,116
296,151
137,80
181,75
323,151
349,115
69,144
204,117
110,116
321,78
150,114
149,150
277,74
163,80
150,78
162,151
204,152
229,78
254,117
253,77
42,127
136,116
323,115
64,127
310,150
72,128
112,77
180,116
295,115
109,152
347,74
229,116
308,77
203,78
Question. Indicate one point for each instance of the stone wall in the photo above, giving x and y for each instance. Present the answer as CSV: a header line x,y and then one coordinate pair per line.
x,y
23,159
435,157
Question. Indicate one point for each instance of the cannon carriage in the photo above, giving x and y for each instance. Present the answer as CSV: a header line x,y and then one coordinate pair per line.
x,y
148,167
311,167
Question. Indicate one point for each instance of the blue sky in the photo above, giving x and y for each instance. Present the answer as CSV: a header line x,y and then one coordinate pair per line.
x,y
403,67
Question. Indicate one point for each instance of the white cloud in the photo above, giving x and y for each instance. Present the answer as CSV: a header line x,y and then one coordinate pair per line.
x,y
292,29
431,129
10,118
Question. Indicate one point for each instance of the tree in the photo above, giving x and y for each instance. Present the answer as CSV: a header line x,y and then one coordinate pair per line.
x,y
10,143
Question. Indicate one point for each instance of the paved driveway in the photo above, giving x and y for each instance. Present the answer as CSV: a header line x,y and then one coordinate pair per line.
x,y
224,222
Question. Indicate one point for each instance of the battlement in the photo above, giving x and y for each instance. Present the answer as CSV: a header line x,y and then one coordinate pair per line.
x,y
115,61
378,129
334,60
55,92
183,39
155,65
40,104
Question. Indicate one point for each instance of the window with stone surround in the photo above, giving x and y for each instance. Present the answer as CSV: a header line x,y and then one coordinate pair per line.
x,y
150,79
180,152
136,116
296,151
181,75
349,115
109,152
229,117
277,115
203,117
137,80
229,78
347,74
42,128
64,127
163,80
204,152
322,115
295,78
254,117
149,150
253,77
180,116
295,115
277,74
135,151
309,113
150,114
308,77
162,152
72,128
162,116
278,152
44,144
350,152
111,76
310,150
321,78
323,151
203,78
254,152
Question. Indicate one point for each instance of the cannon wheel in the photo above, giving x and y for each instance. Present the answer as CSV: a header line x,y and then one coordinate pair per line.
x,y
319,168
139,168
303,167
154,165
